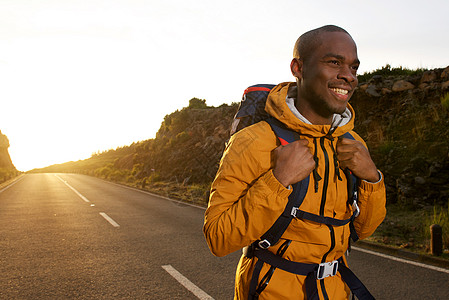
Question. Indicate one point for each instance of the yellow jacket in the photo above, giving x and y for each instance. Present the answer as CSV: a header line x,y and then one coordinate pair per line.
x,y
246,199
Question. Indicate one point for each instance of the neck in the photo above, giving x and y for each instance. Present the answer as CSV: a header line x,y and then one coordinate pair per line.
x,y
309,113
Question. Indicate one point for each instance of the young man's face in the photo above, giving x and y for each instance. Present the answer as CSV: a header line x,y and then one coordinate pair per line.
x,y
328,77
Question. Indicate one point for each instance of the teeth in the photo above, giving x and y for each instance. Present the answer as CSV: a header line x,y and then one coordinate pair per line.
x,y
340,91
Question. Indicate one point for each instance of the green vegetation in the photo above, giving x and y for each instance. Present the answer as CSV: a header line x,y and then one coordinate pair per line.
x,y
6,174
440,217
445,102
389,71
410,229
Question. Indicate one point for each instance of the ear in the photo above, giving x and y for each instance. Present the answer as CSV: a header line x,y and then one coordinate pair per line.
x,y
296,68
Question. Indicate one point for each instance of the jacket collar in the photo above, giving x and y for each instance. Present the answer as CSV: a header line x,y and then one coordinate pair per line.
x,y
280,105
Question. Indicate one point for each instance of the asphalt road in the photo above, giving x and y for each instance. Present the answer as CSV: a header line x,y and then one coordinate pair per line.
x,y
66,236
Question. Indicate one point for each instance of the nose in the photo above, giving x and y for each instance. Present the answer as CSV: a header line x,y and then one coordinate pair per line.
x,y
348,74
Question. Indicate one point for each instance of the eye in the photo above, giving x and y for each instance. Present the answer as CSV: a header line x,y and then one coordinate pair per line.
x,y
334,62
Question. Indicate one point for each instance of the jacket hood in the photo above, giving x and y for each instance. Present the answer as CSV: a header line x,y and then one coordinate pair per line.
x,y
278,108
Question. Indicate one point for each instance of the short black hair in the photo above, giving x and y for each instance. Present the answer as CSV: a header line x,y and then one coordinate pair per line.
x,y
308,41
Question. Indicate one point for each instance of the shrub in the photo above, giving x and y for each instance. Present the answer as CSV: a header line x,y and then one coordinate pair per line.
x,y
445,101
154,177
389,71
440,216
197,103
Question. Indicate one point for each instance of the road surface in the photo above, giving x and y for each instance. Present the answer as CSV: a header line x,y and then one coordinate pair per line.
x,y
67,236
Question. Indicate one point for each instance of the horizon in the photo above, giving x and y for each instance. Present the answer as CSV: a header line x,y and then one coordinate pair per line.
x,y
82,76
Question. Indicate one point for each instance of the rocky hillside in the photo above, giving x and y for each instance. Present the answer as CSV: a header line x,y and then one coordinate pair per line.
x,y
403,118
7,169
405,122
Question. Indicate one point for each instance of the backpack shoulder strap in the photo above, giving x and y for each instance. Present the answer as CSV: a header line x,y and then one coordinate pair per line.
x,y
353,183
295,199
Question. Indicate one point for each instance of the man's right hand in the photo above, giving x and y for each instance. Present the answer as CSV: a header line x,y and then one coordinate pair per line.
x,y
293,162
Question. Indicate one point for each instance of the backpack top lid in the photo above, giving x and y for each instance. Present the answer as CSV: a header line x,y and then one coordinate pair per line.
x,y
252,107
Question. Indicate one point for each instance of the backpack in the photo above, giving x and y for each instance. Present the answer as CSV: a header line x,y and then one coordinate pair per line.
x,y
252,110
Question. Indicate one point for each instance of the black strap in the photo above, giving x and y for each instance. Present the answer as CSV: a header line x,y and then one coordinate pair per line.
x,y
321,219
280,225
354,284
254,281
284,264
310,271
351,178
295,198
311,287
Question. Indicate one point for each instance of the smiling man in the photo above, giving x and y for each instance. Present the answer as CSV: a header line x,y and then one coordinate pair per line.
x,y
259,175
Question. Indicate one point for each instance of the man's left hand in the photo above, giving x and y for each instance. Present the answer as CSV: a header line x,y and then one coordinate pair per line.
x,y
353,155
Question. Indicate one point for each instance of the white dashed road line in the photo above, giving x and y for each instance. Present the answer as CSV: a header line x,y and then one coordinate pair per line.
x,y
104,215
109,219
199,293
73,189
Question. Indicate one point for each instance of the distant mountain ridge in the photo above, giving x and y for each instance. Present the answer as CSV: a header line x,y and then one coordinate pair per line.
x,y
403,118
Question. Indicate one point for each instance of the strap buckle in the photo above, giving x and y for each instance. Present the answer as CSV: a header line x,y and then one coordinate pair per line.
x,y
294,211
355,209
264,244
327,269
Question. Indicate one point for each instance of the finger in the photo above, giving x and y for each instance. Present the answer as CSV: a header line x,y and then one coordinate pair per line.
x,y
345,156
303,142
346,141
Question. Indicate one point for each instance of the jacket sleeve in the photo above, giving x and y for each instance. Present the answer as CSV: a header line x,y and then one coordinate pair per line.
x,y
245,198
371,201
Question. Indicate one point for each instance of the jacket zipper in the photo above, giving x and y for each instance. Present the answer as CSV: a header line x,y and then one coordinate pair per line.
x,y
323,260
326,176
323,204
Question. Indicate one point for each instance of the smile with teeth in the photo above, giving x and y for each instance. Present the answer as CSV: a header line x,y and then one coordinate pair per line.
x,y
340,91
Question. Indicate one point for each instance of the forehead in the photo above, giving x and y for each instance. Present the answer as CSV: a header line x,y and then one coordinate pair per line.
x,y
335,44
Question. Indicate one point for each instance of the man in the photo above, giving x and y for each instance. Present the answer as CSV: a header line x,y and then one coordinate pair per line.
x,y
256,175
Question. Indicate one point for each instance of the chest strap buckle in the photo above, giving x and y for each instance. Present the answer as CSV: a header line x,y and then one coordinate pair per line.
x,y
327,269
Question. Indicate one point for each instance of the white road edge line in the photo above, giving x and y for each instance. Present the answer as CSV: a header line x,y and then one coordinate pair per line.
x,y
73,189
199,293
410,262
10,185
110,220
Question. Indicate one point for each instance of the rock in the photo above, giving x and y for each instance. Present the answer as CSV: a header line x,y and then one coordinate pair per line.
x,y
372,91
445,85
423,86
428,76
420,180
363,87
385,91
402,85
377,78
445,73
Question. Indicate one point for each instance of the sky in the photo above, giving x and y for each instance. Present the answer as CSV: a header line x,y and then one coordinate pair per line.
x,y
85,76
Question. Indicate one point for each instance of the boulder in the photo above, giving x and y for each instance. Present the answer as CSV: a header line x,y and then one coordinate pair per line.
x,y
402,85
445,73
363,87
428,76
385,91
372,91
445,85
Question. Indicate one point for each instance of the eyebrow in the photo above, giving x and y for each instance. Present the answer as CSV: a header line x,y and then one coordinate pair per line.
x,y
340,57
